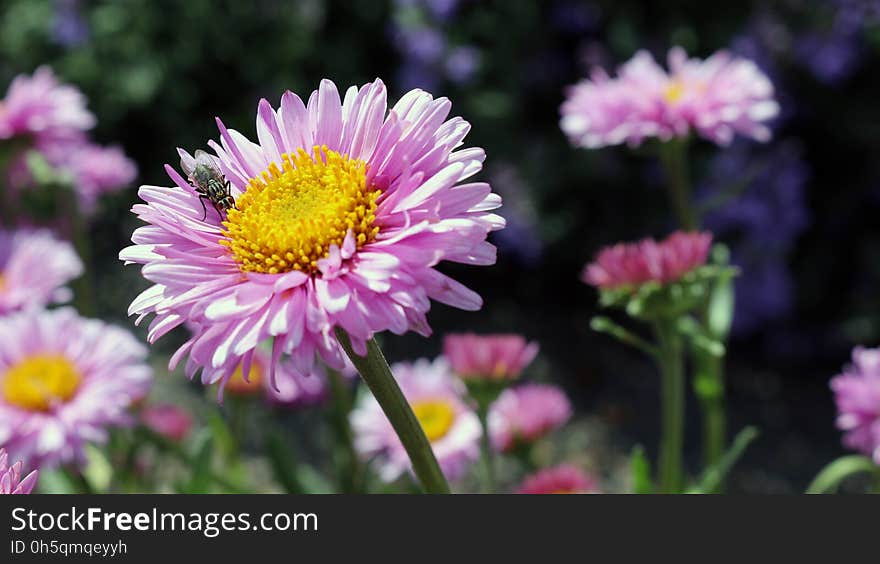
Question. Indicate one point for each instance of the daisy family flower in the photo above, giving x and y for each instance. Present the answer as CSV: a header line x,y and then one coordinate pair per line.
x,y
436,398
633,264
11,481
39,106
343,209
167,420
491,357
562,479
524,414
97,171
718,98
34,268
857,394
63,381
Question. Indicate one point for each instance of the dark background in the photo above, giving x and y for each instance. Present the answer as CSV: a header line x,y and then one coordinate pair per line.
x,y
803,228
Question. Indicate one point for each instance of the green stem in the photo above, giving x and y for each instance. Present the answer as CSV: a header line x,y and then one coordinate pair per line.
x,y
375,371
486,449
673,157
349,465
830,477
84,287
672,408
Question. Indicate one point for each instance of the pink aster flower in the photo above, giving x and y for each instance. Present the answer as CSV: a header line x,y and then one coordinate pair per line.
x,y
167,420
493,357
342,212
632,264
857,394
303,390
717,98
526,413
40,106
63,381
97,171
34,268
11,481
562,479
435,396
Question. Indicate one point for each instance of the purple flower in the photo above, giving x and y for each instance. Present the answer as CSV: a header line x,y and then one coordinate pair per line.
x,y
34,270
40,106
11,481
857,394
64,381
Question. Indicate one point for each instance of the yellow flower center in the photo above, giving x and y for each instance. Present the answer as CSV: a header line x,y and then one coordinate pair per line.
x,y
674,91
435,417
288,218
40,382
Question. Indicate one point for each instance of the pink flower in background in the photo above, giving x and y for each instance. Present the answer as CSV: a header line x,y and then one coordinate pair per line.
x,y
34,268
718,98
493,357
41,107
562,479
11,481
168,420
435,396
64,380
343,211
857,394
298,390
97,171
526,413
632,264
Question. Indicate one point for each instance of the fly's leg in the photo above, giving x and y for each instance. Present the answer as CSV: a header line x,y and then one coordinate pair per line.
x,y
202,199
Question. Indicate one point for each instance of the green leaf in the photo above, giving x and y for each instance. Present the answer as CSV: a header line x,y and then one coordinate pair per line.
x,y
722,298
714,475
284,464
98,471
640,467
602,324
201,477
830,477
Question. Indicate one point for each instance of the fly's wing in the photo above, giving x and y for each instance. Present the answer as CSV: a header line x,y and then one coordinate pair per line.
x,y
206,167
187,162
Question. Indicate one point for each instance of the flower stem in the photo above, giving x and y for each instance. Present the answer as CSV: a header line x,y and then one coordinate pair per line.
x,y
673,157
672,407
374,369
486,449
350,471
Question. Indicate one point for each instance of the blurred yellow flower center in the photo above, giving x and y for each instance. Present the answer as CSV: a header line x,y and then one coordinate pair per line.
x,y
435,417
674,91
41,381
237,385
288,217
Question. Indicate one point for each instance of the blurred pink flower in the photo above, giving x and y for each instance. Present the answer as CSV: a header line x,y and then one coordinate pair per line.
x,y
562,479
526,413
718,98
63,381
39,106
98,170
632,264
303,390
436,399
857,394
168,420
380,203
34,268
491,357
11,481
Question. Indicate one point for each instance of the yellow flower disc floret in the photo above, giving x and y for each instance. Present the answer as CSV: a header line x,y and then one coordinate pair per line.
x,y
41,381
435,416
288,217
